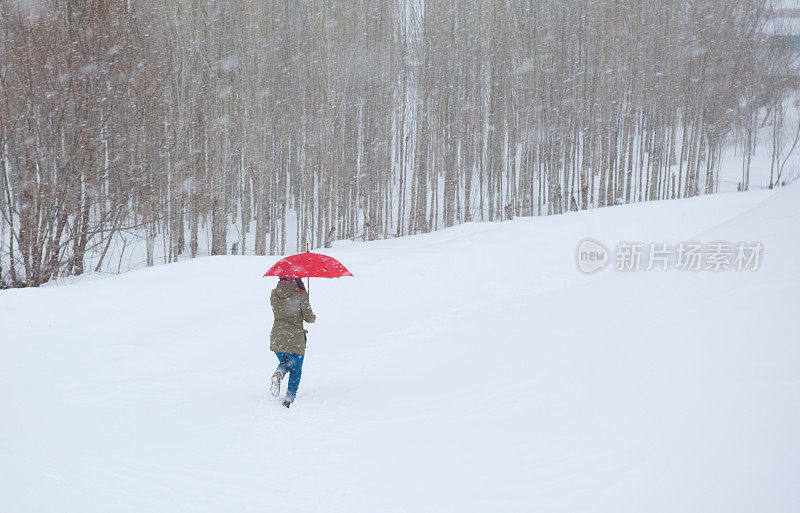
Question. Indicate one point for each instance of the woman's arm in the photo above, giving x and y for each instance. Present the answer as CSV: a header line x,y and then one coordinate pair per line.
x,y
305,309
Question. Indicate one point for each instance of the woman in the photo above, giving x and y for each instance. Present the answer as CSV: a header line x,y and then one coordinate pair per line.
x,y
291,307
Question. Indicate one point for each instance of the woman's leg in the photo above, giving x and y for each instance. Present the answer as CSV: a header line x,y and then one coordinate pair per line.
x,y
277,376
295,365
283,361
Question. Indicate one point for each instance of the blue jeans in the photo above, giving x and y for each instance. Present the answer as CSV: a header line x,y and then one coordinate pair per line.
x,y
291,364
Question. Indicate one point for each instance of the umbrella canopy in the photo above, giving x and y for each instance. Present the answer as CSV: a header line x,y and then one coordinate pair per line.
x,y
308,265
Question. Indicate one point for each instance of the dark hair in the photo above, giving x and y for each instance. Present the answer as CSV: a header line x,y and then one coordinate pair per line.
x,y
296,281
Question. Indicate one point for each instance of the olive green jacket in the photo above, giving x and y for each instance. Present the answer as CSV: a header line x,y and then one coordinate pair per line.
x,y
290,307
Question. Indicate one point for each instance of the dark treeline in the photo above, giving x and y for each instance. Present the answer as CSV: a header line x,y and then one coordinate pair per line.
x,y
305,122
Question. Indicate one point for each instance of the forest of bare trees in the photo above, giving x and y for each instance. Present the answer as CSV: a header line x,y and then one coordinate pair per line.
x,y
272,124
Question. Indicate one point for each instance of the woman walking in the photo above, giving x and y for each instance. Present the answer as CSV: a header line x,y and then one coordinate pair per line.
x,y
290,307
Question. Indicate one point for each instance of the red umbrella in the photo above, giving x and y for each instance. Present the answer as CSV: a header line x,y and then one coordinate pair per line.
x,y
308,265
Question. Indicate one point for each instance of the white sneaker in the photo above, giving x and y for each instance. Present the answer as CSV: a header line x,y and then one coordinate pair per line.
x,y
275,384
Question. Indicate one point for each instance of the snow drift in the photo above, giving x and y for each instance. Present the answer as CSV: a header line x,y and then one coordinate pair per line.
x,y
472,369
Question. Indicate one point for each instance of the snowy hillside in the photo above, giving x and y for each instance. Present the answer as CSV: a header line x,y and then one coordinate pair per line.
x,y
472,369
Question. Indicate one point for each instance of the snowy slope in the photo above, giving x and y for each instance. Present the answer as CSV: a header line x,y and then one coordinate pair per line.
x,y
473,369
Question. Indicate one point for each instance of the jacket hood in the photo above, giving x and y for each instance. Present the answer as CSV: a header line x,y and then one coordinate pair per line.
x,y
286,289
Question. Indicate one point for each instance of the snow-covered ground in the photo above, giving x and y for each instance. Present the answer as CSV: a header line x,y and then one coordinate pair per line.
x,y
472,369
